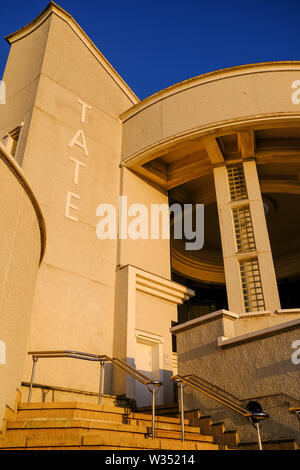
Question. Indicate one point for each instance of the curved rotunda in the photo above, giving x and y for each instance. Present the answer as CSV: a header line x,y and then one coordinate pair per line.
x,y
229,140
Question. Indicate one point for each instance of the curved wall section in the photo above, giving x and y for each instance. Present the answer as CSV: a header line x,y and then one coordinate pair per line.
x,y
244,95
22,243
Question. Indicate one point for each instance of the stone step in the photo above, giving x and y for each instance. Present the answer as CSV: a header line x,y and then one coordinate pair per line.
x,y
70,413
89,411
231,438
187,435
70,426
165,410
73,425
280,444
28,421
205,424
45,407
158,419
100,442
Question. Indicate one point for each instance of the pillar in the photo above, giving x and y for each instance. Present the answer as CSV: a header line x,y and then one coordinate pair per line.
x,y
248,263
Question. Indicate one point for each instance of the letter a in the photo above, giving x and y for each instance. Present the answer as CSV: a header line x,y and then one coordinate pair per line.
x,y
81,143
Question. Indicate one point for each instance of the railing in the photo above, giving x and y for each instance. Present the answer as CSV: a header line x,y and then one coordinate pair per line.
x,y
296,411
152,385
253,411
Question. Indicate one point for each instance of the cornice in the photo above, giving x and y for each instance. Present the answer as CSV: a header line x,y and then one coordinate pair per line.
x,y
225,126
259,334
247,69
158,286
210,317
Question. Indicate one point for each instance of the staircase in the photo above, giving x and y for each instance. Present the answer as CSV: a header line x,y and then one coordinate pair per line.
x,y
230,439
70,426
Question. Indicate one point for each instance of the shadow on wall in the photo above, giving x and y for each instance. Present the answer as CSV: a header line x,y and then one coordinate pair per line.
x,y
280,425
279,368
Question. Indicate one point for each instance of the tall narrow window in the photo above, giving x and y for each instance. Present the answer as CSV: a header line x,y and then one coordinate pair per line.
x,y
251,285
237,184
11,140
14,135
243,229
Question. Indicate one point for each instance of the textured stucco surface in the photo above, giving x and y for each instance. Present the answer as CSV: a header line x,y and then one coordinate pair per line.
x,y
20,251
261,369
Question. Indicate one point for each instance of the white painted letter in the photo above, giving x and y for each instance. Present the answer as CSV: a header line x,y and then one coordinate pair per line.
x,y
71,206
81,144
84,107
77,165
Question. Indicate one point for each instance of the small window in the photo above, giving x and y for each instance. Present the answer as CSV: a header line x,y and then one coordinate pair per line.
x,y
174,342
14,141
11,140
243,229
251,285
237,184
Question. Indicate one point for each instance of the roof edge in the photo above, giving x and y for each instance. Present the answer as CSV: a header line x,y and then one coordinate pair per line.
x,y
209,77
53,8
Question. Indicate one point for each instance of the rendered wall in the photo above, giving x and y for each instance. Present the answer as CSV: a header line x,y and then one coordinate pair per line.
x,y
71,157
20,252
146,305
136,311
149,254
258,367
21,76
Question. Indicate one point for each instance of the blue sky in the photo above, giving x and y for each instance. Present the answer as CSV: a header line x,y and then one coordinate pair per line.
x,y
155,43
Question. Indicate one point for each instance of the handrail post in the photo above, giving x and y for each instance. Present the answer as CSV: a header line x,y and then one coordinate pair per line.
x,y
153,412
256,419
101,382
180,386
34,359
153,386
258,436
182,410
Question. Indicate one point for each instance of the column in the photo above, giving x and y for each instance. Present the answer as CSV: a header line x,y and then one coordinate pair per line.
x,y
248,263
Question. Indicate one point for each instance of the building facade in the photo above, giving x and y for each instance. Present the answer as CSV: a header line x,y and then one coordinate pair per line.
x,y
77,145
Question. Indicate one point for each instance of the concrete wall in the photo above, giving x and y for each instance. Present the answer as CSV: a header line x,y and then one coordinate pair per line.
x,y
256,365
70,149
146,305
21,237
21,76
72,158
149,254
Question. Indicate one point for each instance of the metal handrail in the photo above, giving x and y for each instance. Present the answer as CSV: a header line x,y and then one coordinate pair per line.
x,y
255,417
152,385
